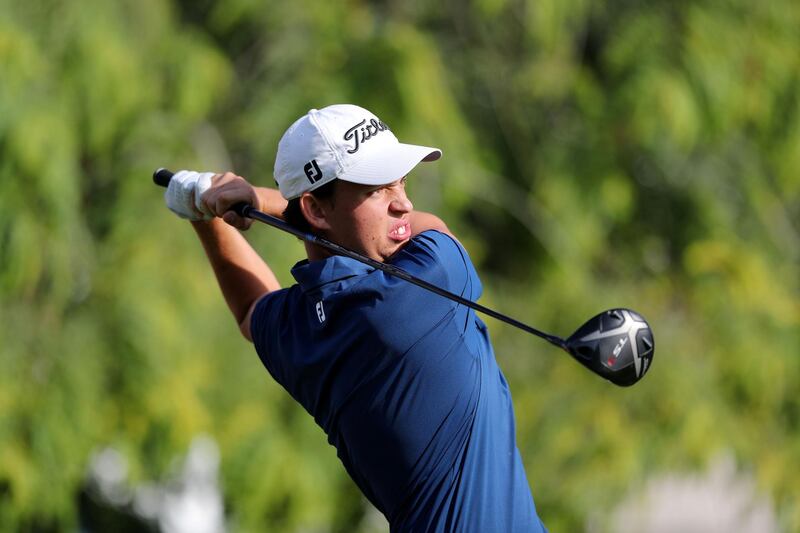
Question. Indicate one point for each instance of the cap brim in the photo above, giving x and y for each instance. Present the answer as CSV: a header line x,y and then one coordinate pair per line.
x,y
389,165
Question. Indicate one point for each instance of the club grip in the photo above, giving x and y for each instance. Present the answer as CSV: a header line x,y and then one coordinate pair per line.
x,y
162,177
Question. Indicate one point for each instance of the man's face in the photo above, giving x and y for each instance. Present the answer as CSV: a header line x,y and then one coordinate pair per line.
x,y
372,220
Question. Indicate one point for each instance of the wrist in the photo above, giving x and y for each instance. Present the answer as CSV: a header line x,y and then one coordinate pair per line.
x,y
209,226
271,202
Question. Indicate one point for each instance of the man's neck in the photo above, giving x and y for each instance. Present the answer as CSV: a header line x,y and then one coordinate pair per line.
x,y
315,252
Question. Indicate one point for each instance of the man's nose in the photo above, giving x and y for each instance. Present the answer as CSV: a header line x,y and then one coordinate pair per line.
x,y
400,203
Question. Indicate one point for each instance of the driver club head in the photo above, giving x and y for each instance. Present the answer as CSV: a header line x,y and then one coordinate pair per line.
x,y
616,344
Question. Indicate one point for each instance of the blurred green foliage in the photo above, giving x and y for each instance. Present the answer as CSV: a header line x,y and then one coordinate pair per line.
x,y
597,154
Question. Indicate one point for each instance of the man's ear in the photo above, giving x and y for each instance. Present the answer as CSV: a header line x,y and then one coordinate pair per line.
x,y
316,211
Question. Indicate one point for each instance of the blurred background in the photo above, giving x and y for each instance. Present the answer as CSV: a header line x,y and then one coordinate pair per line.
x,y
596,154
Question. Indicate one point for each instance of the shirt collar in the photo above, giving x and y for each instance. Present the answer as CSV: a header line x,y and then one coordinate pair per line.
x,y
311,275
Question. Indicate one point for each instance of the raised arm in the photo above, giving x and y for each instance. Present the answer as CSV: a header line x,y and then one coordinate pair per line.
x,y
421,221
241,273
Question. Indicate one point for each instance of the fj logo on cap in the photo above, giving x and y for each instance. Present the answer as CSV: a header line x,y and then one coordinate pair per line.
x,y
313,173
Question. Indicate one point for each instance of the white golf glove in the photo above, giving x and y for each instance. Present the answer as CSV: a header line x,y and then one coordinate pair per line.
x,y
184,194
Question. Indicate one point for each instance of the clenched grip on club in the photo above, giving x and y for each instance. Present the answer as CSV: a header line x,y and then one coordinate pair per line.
x,y
617,344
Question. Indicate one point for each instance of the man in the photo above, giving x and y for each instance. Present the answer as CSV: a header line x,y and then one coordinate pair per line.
x,y
404,382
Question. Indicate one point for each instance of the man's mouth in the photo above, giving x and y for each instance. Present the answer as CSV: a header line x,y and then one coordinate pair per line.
x,y
400,232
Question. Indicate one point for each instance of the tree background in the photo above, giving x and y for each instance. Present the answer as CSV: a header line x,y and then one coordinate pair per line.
x,y
596,154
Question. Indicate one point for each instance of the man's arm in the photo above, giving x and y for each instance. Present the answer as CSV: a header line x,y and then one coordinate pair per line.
x,y
242,274
421,221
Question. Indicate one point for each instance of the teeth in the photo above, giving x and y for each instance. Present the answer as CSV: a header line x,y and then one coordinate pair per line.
x,y
401,230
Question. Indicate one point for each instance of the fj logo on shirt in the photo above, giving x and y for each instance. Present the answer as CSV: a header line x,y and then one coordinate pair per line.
x,y
313,173
320,312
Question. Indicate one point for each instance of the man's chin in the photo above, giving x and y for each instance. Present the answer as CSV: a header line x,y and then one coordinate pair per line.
x,y
396,249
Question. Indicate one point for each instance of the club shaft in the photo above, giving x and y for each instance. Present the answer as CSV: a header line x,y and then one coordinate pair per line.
x,y
162,176
248,211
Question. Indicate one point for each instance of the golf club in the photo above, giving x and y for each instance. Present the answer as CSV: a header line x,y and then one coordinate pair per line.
x,y
617,344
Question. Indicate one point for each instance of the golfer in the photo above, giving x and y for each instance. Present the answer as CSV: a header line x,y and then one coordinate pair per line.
x,y
403,382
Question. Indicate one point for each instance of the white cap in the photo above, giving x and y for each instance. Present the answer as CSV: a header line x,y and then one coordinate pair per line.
x,y
343,142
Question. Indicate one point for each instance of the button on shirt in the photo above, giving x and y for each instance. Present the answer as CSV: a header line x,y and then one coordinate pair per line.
x,y
405,385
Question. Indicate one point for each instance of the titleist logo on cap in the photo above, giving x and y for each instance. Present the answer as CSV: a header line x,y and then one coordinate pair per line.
x,y
362,132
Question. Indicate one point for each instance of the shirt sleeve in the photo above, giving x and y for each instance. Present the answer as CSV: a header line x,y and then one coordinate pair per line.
x,y
265,329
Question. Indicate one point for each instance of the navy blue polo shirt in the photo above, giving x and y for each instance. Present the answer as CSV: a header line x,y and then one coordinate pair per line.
x,y
405,385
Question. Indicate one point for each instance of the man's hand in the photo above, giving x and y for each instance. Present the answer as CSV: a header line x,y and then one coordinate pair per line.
x,y
184,192
225,191
202,196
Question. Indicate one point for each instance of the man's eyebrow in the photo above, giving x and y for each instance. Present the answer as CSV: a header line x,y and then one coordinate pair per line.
x,y
386,185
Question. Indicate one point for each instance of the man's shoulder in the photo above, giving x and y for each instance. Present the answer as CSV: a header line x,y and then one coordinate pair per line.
x,y
434,244
436,237
440,259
